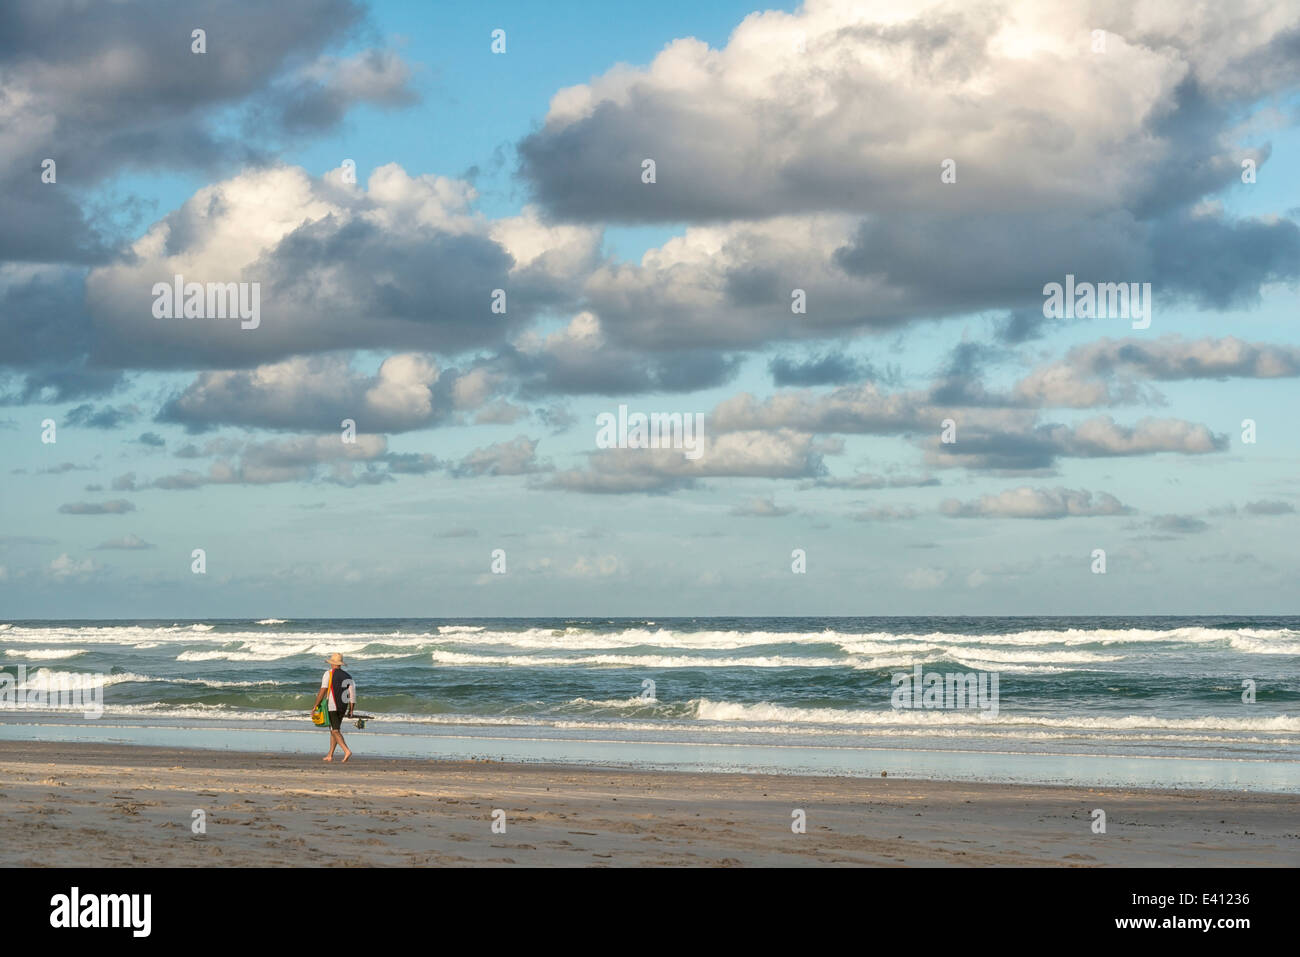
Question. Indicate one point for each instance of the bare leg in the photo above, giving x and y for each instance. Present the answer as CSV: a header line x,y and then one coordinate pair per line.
x,y
335,737
347,752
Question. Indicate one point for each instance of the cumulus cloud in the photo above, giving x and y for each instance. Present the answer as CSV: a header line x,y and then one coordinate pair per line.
x,y
299,459
516,457
65,568
116,86
1026,502
1110,371
1039,447
316,393
403,264
752,454
1066,161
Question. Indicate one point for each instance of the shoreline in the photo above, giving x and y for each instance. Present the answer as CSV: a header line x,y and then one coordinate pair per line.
x,y
731,751
135,806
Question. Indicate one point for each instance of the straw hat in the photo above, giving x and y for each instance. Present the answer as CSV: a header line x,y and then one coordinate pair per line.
x,y
334,659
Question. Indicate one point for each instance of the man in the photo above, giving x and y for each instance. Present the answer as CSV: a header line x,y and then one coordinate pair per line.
x,y
342,691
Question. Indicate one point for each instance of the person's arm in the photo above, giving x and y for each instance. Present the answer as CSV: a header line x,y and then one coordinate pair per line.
x,y
352,696
324,687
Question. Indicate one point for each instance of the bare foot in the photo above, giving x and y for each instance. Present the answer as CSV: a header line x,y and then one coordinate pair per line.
x,y
328,757
346,755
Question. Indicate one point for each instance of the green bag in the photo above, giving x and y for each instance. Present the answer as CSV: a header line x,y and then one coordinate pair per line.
x,y
321,715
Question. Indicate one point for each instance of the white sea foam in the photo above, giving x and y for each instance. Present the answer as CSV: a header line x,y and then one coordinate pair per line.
x,y
765,712
274,621
286,644
637,661
43,679
44,654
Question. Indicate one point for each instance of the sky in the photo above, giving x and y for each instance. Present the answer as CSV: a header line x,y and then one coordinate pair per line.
x,y
839,264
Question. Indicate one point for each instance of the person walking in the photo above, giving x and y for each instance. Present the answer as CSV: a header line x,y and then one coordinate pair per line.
x,y
338,685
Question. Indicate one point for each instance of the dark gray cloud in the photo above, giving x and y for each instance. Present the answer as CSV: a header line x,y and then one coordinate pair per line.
x,y
1100,437
831,368
105,417
104,87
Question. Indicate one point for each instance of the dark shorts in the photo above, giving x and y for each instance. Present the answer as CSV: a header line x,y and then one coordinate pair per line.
x,y
336,720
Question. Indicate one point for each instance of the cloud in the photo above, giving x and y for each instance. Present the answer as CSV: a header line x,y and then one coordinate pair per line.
x,y
1101,437
126,542
318,96
1177,524
404,264
298,459
113,507
1044,503
516,457
65,467
117,87
827,369
66,568
581,359
459,531
864,480
1109,371
1270,508
890,513
752,454
1067,161
317,393
761,507
87,416
925,579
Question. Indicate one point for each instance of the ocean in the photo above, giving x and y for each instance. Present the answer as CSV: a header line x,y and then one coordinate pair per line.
x,y
1142,701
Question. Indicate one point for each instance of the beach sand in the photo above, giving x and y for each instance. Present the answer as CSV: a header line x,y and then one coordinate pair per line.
x,y
121,805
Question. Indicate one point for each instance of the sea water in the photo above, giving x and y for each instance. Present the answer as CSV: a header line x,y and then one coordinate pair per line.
x,y
1143,701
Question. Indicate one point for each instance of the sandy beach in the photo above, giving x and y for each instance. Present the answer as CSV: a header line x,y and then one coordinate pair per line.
x,y
119,805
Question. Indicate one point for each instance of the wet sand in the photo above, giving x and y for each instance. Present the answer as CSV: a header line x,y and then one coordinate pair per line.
x,y
111,805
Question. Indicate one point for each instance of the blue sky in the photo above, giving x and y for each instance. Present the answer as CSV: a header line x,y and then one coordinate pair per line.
x,y
818,169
